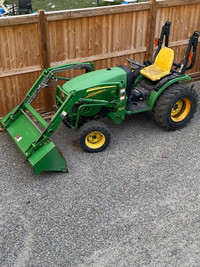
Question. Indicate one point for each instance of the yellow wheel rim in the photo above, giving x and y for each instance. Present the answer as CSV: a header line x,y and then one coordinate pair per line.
x,y
180,110
95,140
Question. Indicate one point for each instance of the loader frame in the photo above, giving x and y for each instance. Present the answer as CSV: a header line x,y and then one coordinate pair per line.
x,y
39,150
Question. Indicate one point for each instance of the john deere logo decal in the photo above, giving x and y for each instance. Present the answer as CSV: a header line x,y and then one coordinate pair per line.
x,y
100,87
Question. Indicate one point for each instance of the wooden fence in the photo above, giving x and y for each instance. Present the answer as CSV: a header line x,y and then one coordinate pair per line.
x,y
105,35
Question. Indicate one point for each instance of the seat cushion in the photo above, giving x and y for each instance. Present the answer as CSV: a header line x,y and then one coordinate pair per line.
x,y
154,73
162,65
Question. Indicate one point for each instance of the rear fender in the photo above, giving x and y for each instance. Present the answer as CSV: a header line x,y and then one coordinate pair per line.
x,y
156,93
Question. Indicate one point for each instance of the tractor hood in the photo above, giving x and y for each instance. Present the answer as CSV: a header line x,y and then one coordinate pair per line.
x,y
95,78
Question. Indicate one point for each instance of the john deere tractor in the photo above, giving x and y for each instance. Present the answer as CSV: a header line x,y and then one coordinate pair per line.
x,y
113,93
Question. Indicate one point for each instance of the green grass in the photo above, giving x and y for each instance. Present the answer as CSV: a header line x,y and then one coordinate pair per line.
x,y
64,4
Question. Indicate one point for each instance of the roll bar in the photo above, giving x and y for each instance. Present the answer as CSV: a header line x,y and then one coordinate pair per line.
x,y
190,53
164,33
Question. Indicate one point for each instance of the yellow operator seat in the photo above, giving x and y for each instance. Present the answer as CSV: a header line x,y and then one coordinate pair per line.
x,y
162,65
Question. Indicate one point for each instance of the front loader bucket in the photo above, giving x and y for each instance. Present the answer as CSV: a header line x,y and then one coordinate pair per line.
x,y
48,159
25,132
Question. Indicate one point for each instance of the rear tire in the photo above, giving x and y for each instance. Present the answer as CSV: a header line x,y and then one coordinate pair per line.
x,y
175,107
94,136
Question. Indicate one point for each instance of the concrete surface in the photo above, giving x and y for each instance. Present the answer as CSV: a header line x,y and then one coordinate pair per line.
x,y
135,204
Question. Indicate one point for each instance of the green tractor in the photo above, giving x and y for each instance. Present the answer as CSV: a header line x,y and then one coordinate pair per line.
x,y
156,86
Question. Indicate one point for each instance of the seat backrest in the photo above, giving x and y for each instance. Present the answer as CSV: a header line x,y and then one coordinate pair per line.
x,y
25,4
164,59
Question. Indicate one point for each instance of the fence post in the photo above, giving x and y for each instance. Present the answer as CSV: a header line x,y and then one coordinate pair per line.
x,y
45,56
151,30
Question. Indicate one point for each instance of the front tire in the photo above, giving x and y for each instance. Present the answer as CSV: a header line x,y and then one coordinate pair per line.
x,y
176,107
94,136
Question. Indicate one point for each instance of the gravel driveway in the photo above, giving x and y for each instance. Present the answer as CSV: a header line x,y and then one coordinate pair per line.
x,y
135,204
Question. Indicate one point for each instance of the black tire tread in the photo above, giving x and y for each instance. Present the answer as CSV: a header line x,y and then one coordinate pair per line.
x,y
164,100
91,126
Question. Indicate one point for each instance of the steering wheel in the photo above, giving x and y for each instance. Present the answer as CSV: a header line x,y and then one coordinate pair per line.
x,y
134,64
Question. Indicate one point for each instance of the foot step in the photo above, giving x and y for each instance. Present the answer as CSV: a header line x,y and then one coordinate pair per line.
x,y
136,106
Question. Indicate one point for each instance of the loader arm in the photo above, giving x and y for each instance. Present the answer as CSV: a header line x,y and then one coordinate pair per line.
x,y
33,138
41,82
